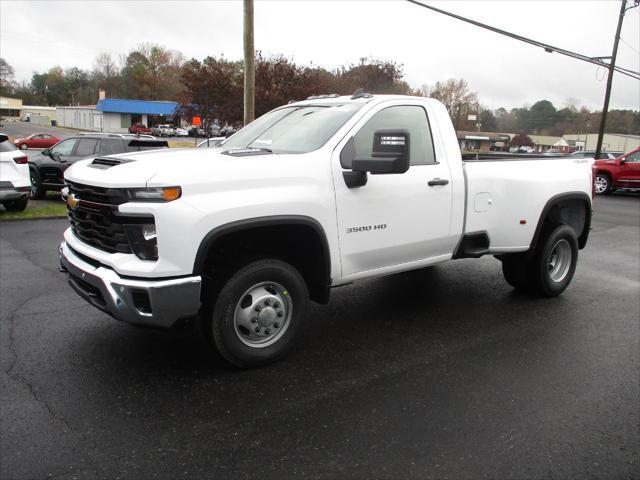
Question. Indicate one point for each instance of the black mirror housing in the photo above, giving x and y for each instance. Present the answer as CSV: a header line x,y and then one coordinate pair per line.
x,y
389,154
46,152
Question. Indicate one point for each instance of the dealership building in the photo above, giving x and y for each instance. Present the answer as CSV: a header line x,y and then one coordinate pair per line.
x,y
116,115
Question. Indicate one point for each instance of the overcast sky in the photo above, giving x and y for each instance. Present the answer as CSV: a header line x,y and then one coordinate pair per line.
x,y
37,35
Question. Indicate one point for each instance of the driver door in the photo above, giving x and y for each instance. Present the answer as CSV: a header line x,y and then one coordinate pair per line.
x,y
394,219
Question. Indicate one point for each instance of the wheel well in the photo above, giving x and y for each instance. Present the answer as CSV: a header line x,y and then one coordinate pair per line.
x,y
300,244
573,210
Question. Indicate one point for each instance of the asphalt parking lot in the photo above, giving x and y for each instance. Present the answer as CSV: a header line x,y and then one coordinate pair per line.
x,y
439,373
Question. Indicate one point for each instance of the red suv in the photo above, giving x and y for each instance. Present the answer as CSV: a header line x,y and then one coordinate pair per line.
x,y
139,128
622,172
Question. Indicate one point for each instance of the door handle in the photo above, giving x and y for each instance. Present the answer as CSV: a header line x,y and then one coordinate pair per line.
x,y
437,181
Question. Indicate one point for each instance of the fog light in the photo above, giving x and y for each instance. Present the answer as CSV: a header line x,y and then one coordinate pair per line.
x,y
143,240
149,231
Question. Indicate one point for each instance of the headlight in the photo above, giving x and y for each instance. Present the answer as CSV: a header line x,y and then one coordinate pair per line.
x,y
159,194
143,240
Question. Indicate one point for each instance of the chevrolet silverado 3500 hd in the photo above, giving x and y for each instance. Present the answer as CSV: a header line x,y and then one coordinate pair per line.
x,y
312,195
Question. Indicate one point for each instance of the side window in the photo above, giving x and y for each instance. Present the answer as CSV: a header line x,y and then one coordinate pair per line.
x,y
110,146
634,158
86,146
409,117
64,148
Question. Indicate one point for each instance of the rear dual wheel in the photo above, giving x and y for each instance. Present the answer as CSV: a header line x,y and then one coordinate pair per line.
x,y
550,271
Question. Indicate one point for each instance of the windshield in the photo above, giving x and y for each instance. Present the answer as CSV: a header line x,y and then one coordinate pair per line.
x,y
294,129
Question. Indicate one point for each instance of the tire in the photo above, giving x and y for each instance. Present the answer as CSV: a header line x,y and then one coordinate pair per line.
x,y
37,190
16,205
517,272
554,263
257,313
23,146
602,184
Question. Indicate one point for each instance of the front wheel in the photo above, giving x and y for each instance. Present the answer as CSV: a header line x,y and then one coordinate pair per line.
x,y
602,184
23,146
257,313
37,190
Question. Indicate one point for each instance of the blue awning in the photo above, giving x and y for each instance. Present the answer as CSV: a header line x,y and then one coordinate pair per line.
x,y
141,107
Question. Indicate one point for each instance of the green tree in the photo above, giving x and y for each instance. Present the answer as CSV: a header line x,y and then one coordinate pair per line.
x,y
542,115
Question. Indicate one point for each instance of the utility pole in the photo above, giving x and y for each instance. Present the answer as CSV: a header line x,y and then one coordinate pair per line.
x,y
249,64
607,94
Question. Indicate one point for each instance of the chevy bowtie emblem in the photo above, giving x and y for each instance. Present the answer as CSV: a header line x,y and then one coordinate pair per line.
x,y
72,201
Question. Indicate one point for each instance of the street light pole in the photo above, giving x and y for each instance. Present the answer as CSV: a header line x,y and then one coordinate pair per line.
x,y
607,95
249,64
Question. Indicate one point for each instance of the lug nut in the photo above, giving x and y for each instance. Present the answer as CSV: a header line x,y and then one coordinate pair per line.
x,y
254,319
276,325
258,308
280,314
276,305
258,329
267,331
267,302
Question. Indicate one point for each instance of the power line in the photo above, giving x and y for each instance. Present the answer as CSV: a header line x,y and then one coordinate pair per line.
x,y
547,48
628,45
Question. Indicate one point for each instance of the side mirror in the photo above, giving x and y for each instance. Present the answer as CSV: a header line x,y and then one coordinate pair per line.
x,y
623,161
46,152
389,154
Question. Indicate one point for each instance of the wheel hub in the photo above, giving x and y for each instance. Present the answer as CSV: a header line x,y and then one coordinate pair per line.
x,y
560,261
263,314
267,317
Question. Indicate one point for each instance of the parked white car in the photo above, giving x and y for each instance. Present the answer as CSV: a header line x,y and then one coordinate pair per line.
x,y
181,132
310,196
15,183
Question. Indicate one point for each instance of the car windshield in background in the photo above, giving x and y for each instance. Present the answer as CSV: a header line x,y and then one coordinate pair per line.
x,y
293,129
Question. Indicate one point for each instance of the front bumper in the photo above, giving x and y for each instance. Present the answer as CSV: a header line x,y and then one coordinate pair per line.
x,y
155,303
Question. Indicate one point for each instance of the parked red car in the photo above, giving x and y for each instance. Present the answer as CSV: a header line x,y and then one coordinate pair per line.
x,y
139,128
622,172
36,140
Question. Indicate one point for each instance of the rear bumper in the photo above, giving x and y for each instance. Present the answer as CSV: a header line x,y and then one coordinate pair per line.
x,y
155,303
9,192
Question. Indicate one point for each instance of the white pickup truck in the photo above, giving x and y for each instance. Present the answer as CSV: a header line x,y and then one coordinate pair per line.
x,y
310,196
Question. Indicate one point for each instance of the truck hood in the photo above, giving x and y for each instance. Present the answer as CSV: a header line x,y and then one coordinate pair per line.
x,y
189,167
134,169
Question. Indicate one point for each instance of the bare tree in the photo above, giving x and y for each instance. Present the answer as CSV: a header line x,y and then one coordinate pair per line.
x,y
6,75
455,96
106,73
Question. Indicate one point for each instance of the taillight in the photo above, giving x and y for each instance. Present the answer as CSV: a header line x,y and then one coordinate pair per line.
x,y
21,160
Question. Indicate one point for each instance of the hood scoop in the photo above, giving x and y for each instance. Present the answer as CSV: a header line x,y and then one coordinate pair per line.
x,y
107,162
